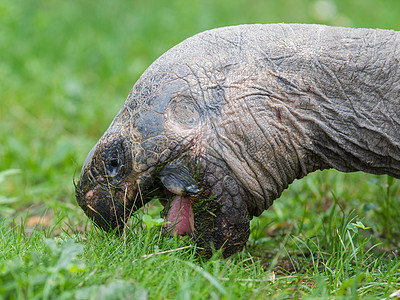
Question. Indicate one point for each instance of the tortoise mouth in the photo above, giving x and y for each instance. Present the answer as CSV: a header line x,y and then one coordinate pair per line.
x,y
111,206
108,206
177,212
180,216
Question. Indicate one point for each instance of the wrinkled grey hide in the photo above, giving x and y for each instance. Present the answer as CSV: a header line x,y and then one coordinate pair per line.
x,y
238,113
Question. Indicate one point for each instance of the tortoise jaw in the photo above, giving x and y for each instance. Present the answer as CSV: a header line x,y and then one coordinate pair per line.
x,y
109,207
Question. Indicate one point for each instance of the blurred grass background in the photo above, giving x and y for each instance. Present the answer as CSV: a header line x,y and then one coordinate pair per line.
x,y
67,66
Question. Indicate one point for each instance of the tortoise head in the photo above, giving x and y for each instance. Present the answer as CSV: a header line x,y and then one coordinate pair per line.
x,y
165,137
108,187
123,163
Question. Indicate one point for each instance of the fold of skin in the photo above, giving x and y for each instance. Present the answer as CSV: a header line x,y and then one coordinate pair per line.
x,y
230,117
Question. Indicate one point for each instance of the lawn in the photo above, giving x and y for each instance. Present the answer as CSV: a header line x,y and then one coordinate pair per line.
x,y
66,68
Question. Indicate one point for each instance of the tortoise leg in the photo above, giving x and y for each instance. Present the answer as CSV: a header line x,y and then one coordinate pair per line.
x,y
219,224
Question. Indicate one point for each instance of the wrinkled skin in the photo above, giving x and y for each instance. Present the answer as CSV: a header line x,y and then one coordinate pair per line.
x,y
234,115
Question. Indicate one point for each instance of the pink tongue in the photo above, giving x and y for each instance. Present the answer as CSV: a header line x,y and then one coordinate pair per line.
x,y
181,216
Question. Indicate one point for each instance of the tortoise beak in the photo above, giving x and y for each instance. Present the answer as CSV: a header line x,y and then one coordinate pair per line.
x,y
101,204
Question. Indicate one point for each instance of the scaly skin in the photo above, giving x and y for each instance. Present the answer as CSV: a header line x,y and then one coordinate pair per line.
x,y
235,114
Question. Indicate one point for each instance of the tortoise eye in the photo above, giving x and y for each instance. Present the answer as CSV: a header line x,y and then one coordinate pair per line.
x,y
113,164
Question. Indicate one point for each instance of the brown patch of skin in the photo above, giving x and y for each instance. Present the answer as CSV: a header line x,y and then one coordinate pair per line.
x,y
90,194
278,114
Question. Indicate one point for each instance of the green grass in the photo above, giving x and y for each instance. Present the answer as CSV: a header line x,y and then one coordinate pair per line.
x,y
65,70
